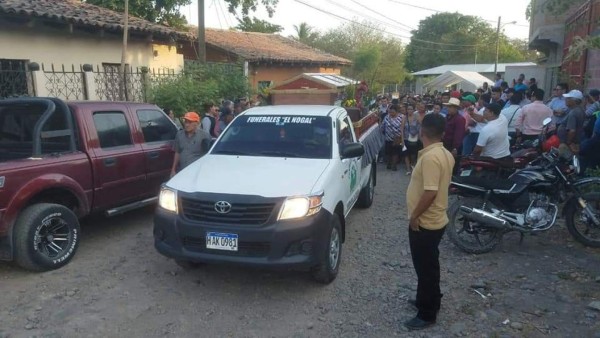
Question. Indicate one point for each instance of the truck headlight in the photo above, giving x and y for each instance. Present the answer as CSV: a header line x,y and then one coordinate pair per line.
x,y
167,199
298,207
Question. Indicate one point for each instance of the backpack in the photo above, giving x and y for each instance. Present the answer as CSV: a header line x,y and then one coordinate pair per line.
x,y
213,125
588,124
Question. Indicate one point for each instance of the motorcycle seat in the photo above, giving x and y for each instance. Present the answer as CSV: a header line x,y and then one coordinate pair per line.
x,y
498,186
504,163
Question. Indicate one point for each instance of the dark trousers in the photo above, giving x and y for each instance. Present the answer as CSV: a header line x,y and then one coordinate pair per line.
x,y
425,256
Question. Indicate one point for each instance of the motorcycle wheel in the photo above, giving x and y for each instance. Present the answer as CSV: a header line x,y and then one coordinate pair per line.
x,y
580,227
468,235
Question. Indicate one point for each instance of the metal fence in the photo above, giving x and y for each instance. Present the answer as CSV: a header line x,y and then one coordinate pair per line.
x,y
137,81
65,83
15,79
83,82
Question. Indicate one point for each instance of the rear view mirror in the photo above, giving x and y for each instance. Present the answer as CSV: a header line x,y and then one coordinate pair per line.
x,y
352,150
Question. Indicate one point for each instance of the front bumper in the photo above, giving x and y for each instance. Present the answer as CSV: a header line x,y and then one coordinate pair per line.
x,y
279,244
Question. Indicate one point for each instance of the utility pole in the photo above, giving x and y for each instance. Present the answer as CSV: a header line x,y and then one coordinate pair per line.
x,y
497,46
122,82
201,34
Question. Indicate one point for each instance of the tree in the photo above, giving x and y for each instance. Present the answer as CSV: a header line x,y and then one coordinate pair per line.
x,y
250,5
376,58
305,33
247,24
453,38
165,12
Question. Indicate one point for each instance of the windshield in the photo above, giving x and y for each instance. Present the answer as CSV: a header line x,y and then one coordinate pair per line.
x,y
277,136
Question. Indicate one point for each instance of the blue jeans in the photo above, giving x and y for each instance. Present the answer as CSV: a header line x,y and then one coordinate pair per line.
x,y
469,143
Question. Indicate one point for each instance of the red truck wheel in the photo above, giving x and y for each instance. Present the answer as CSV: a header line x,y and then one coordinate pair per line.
x,y
46,237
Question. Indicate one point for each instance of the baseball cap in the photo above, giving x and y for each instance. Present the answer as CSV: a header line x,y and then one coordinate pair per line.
x,y
494,107
453,102
469,98
455,93
191,116
575,94
594,92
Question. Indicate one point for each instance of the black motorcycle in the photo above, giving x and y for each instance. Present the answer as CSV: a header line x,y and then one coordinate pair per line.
x,y
527,202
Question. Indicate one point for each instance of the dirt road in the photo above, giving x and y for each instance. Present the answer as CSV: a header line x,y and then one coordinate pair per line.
x,y
119,286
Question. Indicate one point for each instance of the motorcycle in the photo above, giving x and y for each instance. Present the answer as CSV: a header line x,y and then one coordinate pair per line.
x,y
522,154
527,202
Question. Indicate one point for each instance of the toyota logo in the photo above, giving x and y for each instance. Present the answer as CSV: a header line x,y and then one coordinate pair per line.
x,y
223,207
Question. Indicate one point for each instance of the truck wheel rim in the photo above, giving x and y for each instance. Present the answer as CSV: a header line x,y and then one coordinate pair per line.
x,y
53,237
334,248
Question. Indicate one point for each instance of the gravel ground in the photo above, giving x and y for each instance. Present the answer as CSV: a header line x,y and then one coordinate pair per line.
x,y
117,285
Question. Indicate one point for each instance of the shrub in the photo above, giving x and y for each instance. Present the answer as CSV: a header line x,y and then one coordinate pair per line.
x,y
198,84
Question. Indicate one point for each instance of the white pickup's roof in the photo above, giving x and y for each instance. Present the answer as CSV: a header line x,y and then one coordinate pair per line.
x,y
299,110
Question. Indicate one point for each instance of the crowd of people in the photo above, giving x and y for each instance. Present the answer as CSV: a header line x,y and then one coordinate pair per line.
x,y
195,134
489,121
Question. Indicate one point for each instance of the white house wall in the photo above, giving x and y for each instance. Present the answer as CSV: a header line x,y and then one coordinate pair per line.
x,y
58,47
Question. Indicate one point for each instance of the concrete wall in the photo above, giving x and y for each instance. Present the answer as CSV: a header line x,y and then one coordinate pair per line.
x,y
277,73
58,46
593,69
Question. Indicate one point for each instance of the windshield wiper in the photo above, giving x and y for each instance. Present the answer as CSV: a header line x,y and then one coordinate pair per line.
x,y
229,152
278,153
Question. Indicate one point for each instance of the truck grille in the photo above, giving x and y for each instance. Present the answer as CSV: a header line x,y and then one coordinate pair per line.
x,y
245,249
241,213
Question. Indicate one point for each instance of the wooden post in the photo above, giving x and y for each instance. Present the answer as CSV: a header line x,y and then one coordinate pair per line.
x,y
201,35
122,83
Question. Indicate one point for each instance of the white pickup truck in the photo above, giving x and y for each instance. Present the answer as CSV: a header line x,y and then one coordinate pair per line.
x,y
273,191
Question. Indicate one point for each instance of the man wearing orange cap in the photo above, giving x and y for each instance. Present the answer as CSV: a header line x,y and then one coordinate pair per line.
x,y
191,143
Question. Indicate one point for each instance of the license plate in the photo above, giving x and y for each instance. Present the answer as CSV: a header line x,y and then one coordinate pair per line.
x,y
221,241
465,173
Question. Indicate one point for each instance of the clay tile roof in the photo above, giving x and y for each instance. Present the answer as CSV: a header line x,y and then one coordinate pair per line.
x,y
268,47
85,15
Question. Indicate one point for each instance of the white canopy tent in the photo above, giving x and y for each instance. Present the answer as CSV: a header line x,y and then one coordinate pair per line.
x,y
467,81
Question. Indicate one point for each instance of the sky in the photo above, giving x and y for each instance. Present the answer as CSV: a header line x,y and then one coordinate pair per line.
x,y
396,17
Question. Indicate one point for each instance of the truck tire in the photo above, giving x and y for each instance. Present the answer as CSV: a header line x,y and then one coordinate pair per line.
x,y
46,237
329,263
365,199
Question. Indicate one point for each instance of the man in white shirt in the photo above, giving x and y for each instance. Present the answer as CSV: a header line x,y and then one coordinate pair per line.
x,y
493,138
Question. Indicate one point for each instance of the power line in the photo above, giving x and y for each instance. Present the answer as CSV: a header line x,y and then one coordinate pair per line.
x,y
370,18
438,11
382,30
381,14
218,16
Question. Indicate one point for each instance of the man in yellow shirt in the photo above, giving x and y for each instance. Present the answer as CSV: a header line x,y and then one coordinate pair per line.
x,y
427,200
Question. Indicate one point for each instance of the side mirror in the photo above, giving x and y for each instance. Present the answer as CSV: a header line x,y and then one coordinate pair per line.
x,y
546,121
352,150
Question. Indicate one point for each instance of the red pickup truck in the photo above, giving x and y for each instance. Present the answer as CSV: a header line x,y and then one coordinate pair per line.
x,y
61,161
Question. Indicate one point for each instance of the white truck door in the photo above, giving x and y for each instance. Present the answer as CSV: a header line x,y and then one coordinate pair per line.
x,y
350,166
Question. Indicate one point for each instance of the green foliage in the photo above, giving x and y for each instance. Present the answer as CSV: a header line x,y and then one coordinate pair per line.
x,y
199,84
459,39
580,45
247,24
377,59
366,59
595,172
251,5
165,12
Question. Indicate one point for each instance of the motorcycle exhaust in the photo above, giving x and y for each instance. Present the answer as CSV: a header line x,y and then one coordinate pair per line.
x,y
484,217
